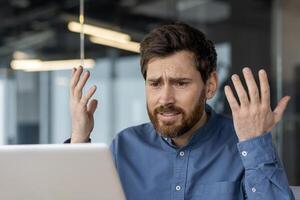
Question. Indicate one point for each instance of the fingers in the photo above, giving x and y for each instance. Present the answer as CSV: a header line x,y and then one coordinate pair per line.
x,y
280,108
92,106
85,99
251,85
264,88
231,99
253,92
73,71
77,82
76,73
77,92
243,97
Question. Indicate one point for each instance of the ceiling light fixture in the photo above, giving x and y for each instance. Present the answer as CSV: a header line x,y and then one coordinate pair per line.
x,y
129,45
39,65
98,32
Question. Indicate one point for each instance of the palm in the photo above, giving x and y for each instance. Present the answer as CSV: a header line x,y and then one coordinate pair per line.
x,y
253,115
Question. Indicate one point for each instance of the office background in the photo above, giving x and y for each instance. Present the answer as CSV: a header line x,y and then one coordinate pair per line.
x,y
34,105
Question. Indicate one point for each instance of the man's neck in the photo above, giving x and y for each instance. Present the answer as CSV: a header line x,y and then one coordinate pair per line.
x,y
186,137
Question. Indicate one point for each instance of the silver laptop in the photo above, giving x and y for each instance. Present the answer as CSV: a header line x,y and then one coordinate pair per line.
x,y
58,172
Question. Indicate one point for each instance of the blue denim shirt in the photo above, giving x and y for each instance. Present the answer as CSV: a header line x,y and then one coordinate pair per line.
x,y
214,165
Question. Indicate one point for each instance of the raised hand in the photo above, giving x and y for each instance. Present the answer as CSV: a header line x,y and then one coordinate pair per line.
x,y
82,108
252,115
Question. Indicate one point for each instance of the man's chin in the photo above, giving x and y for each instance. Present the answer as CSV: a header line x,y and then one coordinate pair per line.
x,y
169,131
167,124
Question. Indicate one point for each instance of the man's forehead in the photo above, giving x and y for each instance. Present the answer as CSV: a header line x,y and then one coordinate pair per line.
x,y
158,71
182,62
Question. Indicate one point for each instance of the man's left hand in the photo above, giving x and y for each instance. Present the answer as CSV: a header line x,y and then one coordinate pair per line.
x,y
252,115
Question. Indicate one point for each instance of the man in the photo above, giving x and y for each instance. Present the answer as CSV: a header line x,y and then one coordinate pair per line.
x,y
188,151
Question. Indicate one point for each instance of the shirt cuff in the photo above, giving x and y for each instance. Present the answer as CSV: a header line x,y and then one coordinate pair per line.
x,y
257,151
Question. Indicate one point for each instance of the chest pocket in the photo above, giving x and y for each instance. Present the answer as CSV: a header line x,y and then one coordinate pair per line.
x,y
217,190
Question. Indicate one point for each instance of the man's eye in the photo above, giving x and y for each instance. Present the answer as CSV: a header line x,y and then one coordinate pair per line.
x,y
181,84
154,84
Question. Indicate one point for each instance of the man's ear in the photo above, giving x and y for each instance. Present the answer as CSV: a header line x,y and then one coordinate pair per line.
x,y
211,85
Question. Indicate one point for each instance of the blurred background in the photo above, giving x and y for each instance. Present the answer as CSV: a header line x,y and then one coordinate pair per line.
x,y
34,91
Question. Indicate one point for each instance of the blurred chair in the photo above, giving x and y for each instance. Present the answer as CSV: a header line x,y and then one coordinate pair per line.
x,y
296,191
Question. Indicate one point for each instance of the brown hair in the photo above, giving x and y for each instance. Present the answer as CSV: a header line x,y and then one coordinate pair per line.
x,y
169,39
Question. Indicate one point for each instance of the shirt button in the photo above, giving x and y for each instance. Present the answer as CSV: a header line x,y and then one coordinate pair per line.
x,y
181,153
253,189
178,188
244,153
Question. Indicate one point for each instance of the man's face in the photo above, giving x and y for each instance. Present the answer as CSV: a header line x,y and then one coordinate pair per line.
x,y
175,94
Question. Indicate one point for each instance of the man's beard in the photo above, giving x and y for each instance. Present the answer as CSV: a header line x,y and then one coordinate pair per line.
x,y
188,121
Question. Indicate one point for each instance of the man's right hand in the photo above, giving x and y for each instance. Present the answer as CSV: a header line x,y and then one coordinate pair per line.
x,y
82,109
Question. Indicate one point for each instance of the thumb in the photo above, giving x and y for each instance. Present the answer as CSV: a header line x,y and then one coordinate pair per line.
x,y
280,108
92,106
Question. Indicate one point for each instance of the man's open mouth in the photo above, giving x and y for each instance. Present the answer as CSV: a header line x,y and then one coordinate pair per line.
x,y
168,116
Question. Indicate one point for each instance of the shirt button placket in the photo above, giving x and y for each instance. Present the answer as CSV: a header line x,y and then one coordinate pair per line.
x,y
180,174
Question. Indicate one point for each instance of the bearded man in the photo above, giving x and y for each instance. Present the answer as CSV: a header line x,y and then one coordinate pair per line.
x,y
188,151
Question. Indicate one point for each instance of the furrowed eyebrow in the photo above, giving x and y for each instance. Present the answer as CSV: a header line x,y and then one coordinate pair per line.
x,y
154,79
170,79
180,79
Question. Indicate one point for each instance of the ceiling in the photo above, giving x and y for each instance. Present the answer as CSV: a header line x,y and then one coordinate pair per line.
x,y
39,27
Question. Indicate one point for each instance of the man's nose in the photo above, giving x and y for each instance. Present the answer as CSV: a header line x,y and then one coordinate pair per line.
x,y
166,95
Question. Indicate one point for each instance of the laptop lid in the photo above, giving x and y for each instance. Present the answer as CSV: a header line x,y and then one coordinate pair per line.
x,y
58,172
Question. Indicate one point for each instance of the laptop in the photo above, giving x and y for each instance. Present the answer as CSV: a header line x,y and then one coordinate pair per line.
x,y
58,172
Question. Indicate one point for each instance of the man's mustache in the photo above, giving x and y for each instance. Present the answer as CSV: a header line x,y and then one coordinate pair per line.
x,y
170,108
